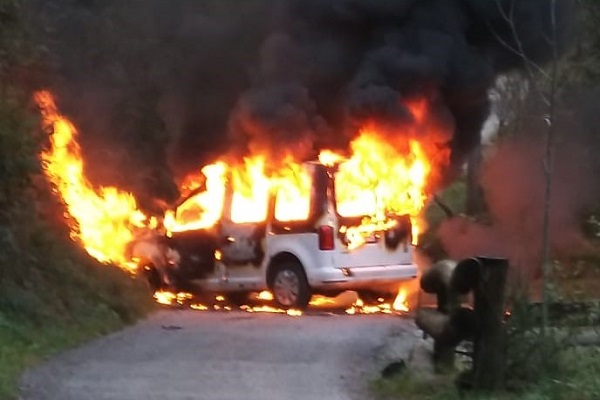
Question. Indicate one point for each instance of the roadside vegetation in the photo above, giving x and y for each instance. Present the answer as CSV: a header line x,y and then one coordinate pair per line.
x,y
561,363
574,377
52,295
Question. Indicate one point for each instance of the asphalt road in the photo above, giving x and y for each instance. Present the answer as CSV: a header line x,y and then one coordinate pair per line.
x,y
177,355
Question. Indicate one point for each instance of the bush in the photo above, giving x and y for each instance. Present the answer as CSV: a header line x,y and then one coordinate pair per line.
x,y
541,365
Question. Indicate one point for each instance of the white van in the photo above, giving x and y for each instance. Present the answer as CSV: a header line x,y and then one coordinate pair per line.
x,y
292,259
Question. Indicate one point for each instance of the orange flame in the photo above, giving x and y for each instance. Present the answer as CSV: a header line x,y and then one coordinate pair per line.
x,y
169,298
205,208
376,182
105,218
251,191
265,295
399,305
401,301
380,178
385,175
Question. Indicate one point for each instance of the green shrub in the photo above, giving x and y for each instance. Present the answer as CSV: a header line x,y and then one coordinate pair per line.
x,y
541,365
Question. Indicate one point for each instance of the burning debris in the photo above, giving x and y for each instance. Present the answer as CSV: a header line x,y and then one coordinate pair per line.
x,y
350,302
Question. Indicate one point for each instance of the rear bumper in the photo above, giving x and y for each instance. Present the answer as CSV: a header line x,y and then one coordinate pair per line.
x,y
361,277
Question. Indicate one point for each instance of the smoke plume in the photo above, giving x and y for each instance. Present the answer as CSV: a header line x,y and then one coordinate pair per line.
x,y
159,88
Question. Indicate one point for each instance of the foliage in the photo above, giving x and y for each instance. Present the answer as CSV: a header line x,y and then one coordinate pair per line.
x,y
17,155
51,297
577,378
582,64
540,365
532,353
120,76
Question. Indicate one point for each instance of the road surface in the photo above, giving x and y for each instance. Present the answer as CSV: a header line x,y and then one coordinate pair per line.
x,y
186,354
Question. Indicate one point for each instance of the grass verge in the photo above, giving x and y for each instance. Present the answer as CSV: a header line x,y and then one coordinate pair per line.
x,y
52,297
576,378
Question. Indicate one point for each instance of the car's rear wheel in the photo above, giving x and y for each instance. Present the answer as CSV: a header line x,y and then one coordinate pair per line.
x,y
289,285
160,279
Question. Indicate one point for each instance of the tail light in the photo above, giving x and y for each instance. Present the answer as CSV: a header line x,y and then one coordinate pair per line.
x,y
326,237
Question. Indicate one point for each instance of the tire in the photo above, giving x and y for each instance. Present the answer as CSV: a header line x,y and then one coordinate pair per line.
x,y
289,285
153,278
158,281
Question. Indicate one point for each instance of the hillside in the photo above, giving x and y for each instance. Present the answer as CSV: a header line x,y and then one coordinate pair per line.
x,y
52,294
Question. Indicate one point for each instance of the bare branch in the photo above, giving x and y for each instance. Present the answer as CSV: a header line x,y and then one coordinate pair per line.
x,y
445,208
549,99
519,50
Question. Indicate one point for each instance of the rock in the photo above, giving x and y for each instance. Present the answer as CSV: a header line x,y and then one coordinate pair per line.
x,y
393,369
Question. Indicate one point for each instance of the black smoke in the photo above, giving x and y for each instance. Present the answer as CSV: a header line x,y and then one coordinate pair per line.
x,y
162,87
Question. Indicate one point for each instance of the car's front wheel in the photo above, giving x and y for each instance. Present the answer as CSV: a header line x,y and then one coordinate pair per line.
x,y
289,286
152,277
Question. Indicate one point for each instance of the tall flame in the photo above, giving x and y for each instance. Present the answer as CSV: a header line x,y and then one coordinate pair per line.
x,y
251,187
105,218
378,181
251,192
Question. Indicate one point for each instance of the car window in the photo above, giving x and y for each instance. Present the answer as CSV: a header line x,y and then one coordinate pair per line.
x,y
293,194
190,210
200,211
250,197
351,198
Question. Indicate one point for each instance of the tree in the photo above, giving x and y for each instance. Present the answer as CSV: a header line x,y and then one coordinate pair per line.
x,y
551,92
18,148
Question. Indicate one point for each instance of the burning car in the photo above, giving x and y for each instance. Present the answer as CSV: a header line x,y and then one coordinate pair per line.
x,y
294,240
342,222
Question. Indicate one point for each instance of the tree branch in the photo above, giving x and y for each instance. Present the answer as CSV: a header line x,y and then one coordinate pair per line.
x,y
445,208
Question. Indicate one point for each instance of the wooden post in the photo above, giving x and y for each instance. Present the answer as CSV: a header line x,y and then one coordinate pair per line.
x,y
490,342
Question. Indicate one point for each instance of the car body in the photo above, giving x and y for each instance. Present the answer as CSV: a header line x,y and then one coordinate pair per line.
x,y
293,259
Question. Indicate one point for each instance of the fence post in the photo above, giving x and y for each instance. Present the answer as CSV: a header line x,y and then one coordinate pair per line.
x,y
489,347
